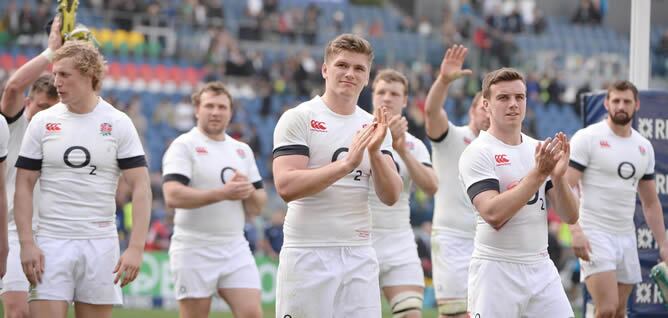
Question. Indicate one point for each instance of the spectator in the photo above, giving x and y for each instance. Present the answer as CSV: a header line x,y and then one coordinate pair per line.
x,y
661,52
407,24
587,13
310,31
184,116
424,27
376,29
337,21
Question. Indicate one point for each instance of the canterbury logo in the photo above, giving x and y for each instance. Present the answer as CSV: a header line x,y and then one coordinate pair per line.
x,y
318,125
501,160
604,144
53,127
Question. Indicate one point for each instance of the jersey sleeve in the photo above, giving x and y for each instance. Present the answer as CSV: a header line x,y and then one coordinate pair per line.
x,y
291,134
649,172
476,171
177,163
30,155
253,172
130,152
421,153
4,139
579,151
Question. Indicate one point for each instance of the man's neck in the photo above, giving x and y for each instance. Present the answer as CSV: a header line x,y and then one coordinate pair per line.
x,y
509,136
474,129
85,105
342,105
619,130
215,137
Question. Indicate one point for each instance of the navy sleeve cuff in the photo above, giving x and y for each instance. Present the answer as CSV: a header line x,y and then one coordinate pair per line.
x,y
648,177
176,177
28,163
577,166
291,150
482,186
132,162
442,137
258,184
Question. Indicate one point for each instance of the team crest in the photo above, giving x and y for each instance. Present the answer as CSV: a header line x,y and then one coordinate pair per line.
x,y
241,153
105,129
410,145
642,150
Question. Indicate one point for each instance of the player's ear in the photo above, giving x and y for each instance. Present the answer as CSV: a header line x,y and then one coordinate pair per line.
x,y
323,70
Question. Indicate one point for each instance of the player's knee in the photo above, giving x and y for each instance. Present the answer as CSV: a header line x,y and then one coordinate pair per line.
x,y
406,304
452,307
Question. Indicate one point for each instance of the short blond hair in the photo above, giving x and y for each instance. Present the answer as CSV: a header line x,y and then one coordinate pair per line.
x,y
348,42
389,75
217,88
87,60
505,74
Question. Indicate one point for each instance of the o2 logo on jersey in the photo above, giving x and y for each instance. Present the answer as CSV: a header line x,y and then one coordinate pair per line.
x,y
335,157
626,170
78,157
533,199
227,173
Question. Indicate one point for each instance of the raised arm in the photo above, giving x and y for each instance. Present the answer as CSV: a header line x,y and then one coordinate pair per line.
x,y
436,119
12,98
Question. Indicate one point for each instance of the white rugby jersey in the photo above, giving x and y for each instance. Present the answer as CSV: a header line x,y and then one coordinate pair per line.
x,y
80,157
17,128
200,162
338,215
397,216
611,166
490,164
453,212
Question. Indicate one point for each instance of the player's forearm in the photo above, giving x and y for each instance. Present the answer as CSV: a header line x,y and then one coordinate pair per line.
x,y
185,197
498,209
23,211
565,202
654,218
256,202
423,176
4,232
141,214
19,82
386,179
436,119
295,184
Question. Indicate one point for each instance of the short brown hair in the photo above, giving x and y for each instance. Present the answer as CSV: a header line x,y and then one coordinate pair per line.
x,y
87,60
217,88
44,84
623,85
501,75
389,75
348,42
